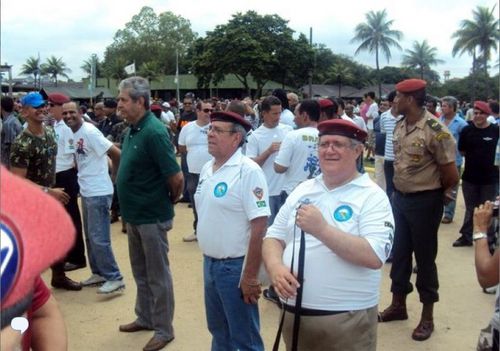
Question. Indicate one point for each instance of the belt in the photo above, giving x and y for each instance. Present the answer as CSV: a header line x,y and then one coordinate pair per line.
x,y
311,312
224,259
417,193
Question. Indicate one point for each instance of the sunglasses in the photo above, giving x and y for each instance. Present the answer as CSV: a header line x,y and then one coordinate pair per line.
x,y
207,110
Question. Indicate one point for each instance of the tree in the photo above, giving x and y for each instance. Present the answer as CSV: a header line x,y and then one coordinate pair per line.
x,y
115,69
150,70
421,58
339,73
252,46
87,66
149,37
375,35
478,36
31,67
55,67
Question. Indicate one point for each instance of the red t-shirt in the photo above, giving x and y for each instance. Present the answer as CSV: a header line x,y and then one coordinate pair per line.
x,y
41,294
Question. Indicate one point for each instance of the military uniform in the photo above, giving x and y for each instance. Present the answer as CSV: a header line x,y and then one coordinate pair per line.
x,y
37,154
419,152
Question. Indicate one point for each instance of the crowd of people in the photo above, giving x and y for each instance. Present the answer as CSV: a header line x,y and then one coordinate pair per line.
x,y
278,190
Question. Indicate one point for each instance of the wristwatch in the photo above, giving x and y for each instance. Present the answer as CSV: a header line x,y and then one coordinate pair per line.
x,y
479,235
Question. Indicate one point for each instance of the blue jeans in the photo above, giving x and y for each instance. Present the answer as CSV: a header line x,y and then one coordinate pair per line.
x,y
449,209
97,236
275,203
234,325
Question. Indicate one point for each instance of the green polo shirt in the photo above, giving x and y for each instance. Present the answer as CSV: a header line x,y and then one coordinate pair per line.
x,y
147,160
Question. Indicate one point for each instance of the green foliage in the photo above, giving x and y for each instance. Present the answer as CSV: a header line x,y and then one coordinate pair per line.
x,y
251,45
55,67
421,58
150,70
31,67
376,35
151,38
87,66
470,88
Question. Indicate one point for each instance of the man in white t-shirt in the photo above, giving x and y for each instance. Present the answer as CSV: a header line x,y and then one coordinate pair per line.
x,y
347,229
298,154
96,189
262,147
232,204
371,114
194,143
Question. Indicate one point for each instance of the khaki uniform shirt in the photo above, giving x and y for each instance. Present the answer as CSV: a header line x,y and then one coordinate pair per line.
x,y
419,151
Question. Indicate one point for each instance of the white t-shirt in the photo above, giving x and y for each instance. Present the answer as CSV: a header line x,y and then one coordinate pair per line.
x,y
371,114
226,202
258,142
167,117
359,208
299,153
91,149
65,158
287,118
347,118
195,139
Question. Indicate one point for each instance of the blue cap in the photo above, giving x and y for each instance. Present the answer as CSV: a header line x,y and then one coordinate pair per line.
x,y
33,99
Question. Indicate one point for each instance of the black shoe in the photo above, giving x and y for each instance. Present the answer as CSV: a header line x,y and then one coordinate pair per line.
x,y
68,266
270,295
66,284
462,241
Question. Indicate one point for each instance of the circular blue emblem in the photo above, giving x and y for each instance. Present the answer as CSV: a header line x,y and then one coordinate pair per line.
x,y
343,213
10,259
220,189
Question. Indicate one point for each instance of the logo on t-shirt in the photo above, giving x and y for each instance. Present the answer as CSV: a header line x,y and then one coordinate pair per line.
x,y
258,192
220,189
10,259
80,147
342,213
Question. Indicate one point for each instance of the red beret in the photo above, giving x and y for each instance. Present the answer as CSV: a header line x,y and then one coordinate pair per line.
x,y
325,103
156,107
58,98
342,127
31,240
228,116
411,85
483,106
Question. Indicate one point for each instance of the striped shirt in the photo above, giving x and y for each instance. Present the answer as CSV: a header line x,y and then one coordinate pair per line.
x,y
387,124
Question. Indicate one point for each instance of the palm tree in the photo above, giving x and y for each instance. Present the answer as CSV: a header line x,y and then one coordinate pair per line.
x,y
421,58
339,73
375,35
150,70
55,67
87,66
478,37
31,67
114,69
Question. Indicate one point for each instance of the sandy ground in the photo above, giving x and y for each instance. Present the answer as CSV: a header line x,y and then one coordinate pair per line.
x,y
92,320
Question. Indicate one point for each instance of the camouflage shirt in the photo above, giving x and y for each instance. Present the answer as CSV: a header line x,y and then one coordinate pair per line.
x,y
37,155
118,132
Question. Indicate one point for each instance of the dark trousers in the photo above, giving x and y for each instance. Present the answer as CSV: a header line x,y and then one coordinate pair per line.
x,y
185,172
475,195
417,218
389,175
191,185
69,182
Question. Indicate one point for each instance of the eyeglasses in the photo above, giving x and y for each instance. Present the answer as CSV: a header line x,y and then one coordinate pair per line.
x,y
207,110
219,131
336,145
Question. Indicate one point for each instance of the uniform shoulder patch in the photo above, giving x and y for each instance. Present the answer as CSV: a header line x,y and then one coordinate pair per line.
x,y
434,124
442,136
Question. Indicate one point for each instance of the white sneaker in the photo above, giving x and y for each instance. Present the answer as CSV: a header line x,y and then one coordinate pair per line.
x,y
190,238
111,286
95,279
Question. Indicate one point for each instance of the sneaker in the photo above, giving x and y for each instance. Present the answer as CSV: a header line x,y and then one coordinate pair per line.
x,y
111,286
461,242
490,290
94,280
190,238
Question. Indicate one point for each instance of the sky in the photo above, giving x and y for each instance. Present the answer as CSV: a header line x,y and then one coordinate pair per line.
x,y
74,30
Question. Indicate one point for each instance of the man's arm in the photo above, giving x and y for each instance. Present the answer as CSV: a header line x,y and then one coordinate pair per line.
x,y
284,282
48,328
175,184
487,266
354,249
58,193
261,159
279,168
250,284
114,154
449,178
182,149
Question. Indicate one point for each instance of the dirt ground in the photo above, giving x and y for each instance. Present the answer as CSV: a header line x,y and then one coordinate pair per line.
x,y
92,320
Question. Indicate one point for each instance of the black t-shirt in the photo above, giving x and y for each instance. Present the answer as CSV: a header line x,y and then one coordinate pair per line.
x,y
479,146
379,138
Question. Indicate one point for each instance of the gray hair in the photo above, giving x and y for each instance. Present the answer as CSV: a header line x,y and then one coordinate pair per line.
x,y
137,87
450,101
238,128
